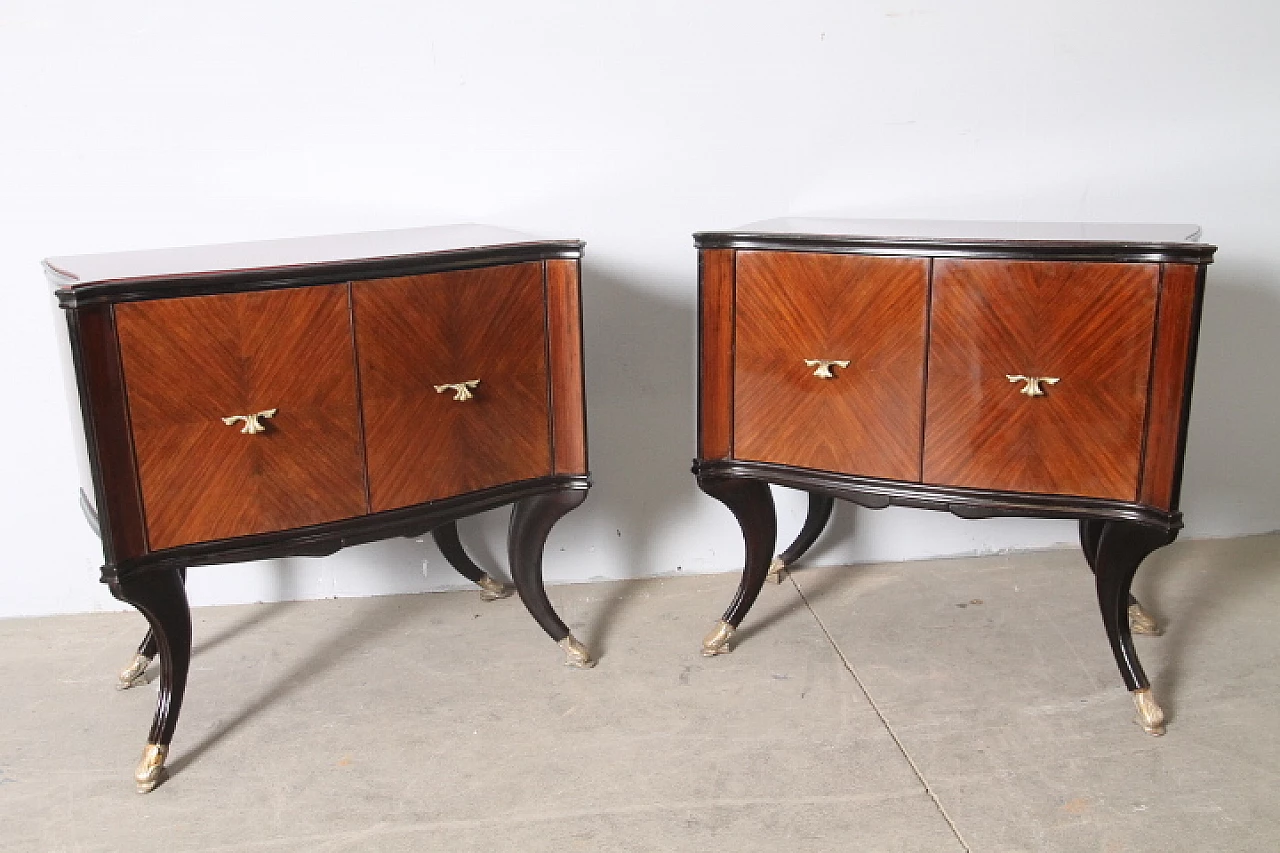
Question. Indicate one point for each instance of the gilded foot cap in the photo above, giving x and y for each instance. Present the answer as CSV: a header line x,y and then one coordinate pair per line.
x,y
150,768
1150,715
576,654
778,570
131,675
717,642
1142,622
492,590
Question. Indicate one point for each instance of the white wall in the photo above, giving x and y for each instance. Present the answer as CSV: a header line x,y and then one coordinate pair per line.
x,y
139,125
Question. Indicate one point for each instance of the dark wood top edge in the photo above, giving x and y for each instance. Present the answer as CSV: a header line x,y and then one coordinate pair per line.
x,y
1096,250
320,540
966,503
302,275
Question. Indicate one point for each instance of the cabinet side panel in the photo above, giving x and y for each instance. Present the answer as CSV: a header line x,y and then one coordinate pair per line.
x,y
564,327
103,404
1170,382
715,353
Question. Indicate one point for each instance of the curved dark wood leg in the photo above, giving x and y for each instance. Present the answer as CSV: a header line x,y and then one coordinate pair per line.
x,y
815,521
446,538
531,521
133,674
1140,621
161,596
1121,548
751,503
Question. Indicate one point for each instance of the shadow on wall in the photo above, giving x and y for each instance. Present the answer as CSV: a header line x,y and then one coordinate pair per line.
x,y
1230,483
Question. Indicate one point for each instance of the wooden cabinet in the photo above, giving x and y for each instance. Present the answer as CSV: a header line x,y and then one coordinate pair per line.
x,y
297,396
981,368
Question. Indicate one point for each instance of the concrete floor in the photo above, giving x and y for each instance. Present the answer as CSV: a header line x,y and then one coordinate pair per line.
x,y
935,706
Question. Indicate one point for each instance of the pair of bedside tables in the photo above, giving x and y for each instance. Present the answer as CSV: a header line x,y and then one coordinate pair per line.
x,y
294,397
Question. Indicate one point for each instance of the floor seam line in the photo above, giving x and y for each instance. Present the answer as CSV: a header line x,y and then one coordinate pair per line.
x,y
848,665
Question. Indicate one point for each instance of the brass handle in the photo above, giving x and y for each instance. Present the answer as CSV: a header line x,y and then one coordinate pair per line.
x,y
1032,388
461,390
824,366
252,426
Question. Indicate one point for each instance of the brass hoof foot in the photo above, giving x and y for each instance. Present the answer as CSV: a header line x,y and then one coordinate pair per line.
x,y
576,654
132,675
777,570
717,642
492,590
1141,622
151,768
1150,715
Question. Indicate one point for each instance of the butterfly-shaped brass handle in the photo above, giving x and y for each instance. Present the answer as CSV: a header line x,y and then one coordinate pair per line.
x,y
824,366
252,423
1032,388
461,390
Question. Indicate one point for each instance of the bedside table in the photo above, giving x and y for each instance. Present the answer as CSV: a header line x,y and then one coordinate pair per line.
x,y
982,368
293,397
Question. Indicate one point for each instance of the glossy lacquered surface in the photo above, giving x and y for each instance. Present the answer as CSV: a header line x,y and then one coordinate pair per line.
x,y
978,231
74,271
1038,241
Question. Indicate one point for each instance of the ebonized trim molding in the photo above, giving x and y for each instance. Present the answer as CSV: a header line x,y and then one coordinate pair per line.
x,y
1039,250
320,540
965,503
71,295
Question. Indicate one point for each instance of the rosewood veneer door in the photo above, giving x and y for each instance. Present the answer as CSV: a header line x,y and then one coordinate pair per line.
x,y
190,362
1089,326
793,307
419,332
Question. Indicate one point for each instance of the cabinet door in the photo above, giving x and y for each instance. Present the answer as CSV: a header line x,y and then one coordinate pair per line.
x,y
1084,330
794,308
190,362
417,334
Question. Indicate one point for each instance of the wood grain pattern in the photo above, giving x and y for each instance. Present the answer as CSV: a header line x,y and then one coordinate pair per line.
x,y
1174,334
108,437
564,344
190,362
416,332
1091,325
793,306
715,354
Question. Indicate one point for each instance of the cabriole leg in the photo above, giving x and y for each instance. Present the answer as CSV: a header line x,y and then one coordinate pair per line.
x,y
1140,621
751,503
132,675
162,598
446,537
815,521
1121,548
531,522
